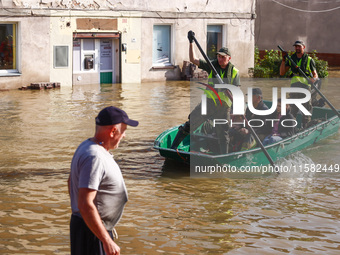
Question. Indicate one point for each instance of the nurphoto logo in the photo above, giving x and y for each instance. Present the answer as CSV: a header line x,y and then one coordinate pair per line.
x,y
238,106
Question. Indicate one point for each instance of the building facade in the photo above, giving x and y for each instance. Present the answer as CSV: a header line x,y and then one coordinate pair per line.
x,y
89,42
285,21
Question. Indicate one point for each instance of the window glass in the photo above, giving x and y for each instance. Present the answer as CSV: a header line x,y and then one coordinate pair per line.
x,y
214,40
7,46
106,54
76,55
161,49
60,56
88,44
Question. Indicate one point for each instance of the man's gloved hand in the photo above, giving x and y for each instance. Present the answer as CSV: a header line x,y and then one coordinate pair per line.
x,y
191,36
284,55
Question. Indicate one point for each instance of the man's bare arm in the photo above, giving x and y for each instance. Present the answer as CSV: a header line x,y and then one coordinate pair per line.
x,y
192,55
92,219
283,68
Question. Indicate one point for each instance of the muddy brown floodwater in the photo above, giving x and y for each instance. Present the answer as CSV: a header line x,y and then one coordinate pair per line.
x,y
168,212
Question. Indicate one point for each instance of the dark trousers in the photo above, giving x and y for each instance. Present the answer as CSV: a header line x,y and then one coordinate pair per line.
x,y
83,241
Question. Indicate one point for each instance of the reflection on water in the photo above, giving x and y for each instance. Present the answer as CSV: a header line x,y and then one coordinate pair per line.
x,y
168,212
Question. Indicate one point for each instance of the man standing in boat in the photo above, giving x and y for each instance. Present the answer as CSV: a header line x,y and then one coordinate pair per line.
x,y
230,75
307,65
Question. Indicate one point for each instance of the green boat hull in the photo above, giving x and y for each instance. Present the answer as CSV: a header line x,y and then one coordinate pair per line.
x,y
254,157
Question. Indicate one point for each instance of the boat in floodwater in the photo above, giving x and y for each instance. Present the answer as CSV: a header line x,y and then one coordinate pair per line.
x,y
326,123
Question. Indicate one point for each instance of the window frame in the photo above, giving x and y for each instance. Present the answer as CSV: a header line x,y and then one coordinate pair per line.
x,y
55,56
222,42
168,64
86,52
82,55
16,58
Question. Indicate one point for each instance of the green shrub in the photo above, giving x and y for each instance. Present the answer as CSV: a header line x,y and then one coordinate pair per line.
x,y
269,65
321,65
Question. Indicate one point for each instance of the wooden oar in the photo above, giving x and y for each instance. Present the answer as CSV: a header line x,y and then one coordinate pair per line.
x,y
231,98
307,78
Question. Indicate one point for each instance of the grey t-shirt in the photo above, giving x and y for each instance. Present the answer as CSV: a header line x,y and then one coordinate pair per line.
x,y
93,167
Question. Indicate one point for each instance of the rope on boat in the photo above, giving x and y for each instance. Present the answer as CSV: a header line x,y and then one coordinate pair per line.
x,y
184,159
319,128
303,135
335,121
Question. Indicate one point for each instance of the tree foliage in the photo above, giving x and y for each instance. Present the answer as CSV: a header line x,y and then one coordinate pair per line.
x,y
269,65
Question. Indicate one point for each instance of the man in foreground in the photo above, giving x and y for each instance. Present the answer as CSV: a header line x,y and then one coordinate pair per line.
x,y
96,187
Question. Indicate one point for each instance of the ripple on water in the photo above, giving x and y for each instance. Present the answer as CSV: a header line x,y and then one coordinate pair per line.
x,y
168,212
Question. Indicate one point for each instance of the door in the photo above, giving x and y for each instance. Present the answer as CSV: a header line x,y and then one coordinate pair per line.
x,y
106,62
96,60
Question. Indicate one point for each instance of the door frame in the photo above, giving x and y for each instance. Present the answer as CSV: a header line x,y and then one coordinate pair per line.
x,y
116,54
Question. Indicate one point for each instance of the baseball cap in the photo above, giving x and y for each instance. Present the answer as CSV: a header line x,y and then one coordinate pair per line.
x,y
257,91
224,51
112,115
299,43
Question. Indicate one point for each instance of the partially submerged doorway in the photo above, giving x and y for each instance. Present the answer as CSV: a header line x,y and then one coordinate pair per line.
x,y
96,60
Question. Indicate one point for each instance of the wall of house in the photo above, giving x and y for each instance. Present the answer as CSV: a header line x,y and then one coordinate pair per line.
x,y
54,23
131,30
96,24
237,36
34,48
61,35
196,15
239,6
285,21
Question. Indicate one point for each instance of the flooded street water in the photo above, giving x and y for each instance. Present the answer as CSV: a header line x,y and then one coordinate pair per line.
x,y
168,212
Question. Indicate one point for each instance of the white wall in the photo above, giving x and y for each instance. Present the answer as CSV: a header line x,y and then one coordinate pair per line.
x,y
238,36
140,5
61,35
33,50
131,29
135,23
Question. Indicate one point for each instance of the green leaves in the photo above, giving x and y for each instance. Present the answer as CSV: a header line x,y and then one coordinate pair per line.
x,y
268,65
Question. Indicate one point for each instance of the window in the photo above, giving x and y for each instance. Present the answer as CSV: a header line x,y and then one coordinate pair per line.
x,y
88,45
84,55
88,54
60,56
8,42
214,40
161,48
76,55
106,54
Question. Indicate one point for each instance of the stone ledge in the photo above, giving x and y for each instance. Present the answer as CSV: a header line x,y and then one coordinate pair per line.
x,y
41,85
